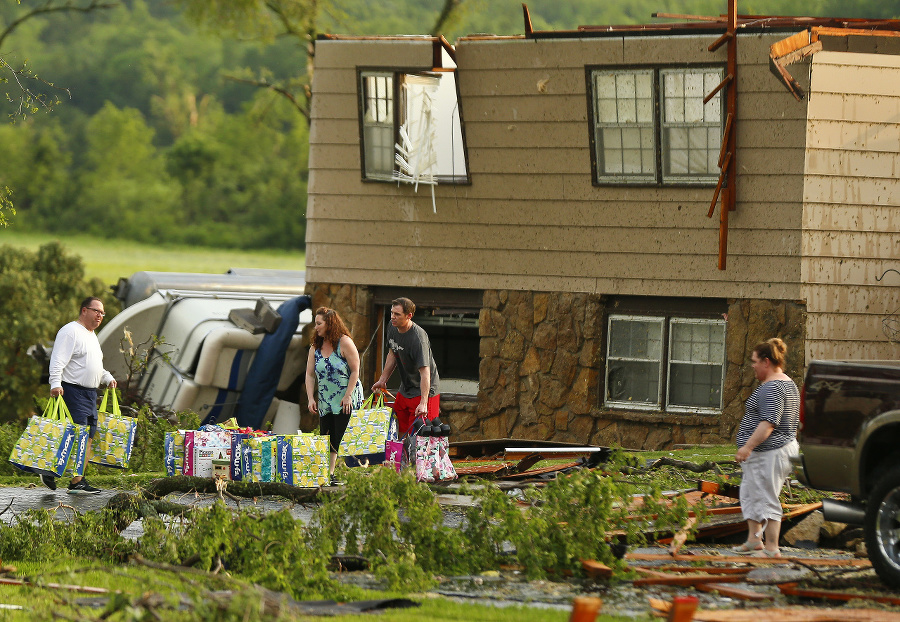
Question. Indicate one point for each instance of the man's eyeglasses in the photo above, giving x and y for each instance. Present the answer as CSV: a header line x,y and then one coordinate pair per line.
x,y
97,311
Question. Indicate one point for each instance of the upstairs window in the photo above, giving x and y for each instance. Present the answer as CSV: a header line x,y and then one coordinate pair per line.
x,y
378,124
411,127
651,126
660,363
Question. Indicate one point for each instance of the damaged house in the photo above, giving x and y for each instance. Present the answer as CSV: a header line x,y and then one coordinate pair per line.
x,y
598,225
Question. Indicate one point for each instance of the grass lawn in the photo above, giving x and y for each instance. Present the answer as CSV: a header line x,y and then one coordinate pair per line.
x,y
45,602
110,259
185,596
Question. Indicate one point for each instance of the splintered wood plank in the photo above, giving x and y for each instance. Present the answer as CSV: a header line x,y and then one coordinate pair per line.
x,y
739,559
649,572
791,589
480,469
788,45
687,579
733,592
783,614
596,569
706,569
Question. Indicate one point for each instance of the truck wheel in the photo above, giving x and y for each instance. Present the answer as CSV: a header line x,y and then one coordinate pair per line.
x,y
883,527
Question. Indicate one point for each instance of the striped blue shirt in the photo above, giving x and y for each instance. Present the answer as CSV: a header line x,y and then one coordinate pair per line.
x,y
775,401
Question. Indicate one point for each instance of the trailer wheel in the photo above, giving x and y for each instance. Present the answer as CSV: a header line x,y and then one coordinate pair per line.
x,y
883,527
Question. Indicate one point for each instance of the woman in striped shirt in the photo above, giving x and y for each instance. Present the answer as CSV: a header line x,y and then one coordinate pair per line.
x,y
766,440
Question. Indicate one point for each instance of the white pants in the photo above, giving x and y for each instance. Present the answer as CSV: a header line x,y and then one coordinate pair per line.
x,y
764,473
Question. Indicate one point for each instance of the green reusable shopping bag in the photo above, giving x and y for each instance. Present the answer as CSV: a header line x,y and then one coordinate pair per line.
x,y
115,433
368,430
47,442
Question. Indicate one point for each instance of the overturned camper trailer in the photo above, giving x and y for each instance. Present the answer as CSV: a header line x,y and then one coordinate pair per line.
x,y
208,356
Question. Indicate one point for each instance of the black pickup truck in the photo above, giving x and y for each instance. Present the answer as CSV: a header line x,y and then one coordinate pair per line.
x,y
850,442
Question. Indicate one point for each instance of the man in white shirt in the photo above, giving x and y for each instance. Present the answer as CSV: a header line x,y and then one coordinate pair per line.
x,y
76,370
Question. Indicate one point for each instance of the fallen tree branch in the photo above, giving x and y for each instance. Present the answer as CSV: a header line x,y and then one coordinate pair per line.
x,y
159,488
709,465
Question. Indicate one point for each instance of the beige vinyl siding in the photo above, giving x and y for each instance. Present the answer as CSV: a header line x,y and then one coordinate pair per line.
x,y
851,215
531,218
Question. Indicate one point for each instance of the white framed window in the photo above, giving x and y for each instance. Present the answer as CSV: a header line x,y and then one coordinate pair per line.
x,y
377,90
696,363
412,118
656,363
650,125
624,104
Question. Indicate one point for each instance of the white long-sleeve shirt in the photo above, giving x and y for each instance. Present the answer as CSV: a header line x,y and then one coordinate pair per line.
x,y
77,358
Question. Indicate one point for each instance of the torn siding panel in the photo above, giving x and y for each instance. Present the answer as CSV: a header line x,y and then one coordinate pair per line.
x,y
865,327
849,107
635,263
846,271
851,243
854,298
489,83
522,108
840,217
553,161
850,189
518,237
403,52
677,50
832,348
775,133
852,163
848,134
529,135
342,131
641,213
501,55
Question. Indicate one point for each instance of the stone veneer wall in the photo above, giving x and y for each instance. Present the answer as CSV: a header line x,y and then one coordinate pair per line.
x,y
542,368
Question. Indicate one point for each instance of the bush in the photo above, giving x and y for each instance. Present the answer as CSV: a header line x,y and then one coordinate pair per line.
x,y
39,292
147,453
272,550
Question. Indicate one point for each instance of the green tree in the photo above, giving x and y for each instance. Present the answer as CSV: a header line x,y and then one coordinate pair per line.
x,y
123,187
28,92
36,163
39,292
300,21
243,178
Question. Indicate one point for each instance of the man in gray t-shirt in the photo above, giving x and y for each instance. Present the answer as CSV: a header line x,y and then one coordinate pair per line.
x,y
410,353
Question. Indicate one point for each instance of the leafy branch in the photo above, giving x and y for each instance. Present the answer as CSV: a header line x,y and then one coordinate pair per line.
x,y
138,357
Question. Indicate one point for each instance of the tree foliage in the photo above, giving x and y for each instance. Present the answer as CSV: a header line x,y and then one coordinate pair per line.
x,y
39,292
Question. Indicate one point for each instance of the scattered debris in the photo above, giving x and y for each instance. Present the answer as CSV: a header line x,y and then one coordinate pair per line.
x,y
787,614
792,589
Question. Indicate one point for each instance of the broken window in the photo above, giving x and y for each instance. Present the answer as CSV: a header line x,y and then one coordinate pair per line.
x,y
658,362
418,140
450,317
651,125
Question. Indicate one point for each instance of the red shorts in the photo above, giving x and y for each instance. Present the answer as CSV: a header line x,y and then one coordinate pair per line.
x,y
405,409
